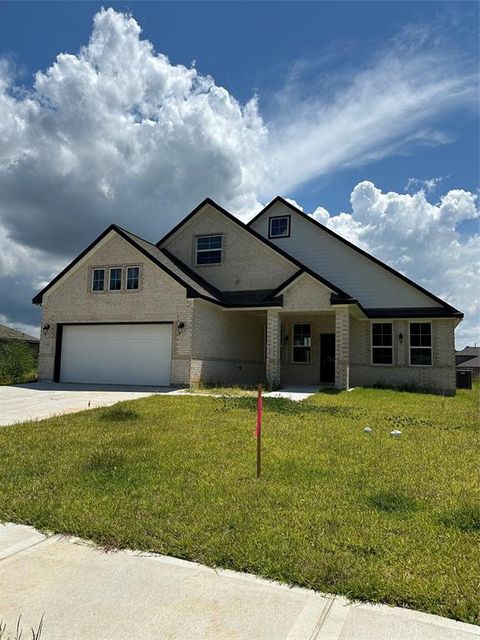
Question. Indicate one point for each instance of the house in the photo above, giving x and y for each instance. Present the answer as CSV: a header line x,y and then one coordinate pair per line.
x,y
468,359
7,334
281,299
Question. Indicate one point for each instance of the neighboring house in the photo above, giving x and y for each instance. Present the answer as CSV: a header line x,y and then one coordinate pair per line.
x,y
7,334
282,299
468,359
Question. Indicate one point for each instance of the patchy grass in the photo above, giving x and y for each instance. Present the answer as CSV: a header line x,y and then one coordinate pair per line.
x,y
338,510
224,391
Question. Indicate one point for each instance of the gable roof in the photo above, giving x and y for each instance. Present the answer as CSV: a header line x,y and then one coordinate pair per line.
x,y
259,237
193,287
9,333
451,311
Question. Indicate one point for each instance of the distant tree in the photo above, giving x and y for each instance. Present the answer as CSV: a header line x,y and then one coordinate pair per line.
x,y
16,361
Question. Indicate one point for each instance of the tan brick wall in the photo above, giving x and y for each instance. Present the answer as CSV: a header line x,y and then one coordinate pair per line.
x,y
227,346
304,373
246,262
159,298
439,378
306,294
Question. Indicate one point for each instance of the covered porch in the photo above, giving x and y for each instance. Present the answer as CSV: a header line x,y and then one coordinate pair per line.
x,y
308,347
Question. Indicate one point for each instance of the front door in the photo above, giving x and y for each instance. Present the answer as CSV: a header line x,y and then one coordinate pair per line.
x,y
327,357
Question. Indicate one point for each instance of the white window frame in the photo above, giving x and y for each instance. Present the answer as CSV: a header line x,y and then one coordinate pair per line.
x,y
110,269
271,236
309,361
380,364
132,266
93,277
410,344
197,250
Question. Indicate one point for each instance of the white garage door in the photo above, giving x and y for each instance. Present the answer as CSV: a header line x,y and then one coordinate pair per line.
x,y
117,354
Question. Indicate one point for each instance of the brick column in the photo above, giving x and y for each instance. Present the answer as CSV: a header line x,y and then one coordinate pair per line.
x,y
273,348
342,348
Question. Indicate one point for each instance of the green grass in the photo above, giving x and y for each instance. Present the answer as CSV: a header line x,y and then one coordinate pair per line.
x,y
338,510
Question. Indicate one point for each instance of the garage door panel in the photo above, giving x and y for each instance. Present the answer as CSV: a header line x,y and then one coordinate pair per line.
x,y
117,354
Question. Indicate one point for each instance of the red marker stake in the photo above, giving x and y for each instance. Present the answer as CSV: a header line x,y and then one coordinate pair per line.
x,y
258,432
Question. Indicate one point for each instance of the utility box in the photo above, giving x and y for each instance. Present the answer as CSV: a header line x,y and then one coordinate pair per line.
x,y
464,379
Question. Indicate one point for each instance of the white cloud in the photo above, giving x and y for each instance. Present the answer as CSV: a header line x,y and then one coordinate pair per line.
x,y
118,133
421,240
429,185
388,107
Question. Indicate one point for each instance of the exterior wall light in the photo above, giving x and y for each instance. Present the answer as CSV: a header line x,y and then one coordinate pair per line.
x,y
180,327
45,329
400,338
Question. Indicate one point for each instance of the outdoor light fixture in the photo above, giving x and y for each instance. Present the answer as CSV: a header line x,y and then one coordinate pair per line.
x,y
400,338
180,327
45,329
285,339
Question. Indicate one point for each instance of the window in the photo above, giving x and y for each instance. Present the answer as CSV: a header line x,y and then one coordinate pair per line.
x,y
382,343
133,274
209,249
279,227
98,279
421,344
302,342
115,279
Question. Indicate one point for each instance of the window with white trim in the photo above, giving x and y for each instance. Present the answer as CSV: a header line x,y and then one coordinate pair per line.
x,y
382,343
302,343
421,344
279,227
209,249
115,280
98,279
133,277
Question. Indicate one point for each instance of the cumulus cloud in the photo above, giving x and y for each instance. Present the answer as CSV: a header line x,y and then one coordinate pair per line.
x,y
421,240
117,133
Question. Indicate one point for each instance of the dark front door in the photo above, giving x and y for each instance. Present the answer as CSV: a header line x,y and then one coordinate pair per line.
x,y
327,357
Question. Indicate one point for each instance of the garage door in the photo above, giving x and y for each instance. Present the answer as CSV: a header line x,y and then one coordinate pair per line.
x,y
117,354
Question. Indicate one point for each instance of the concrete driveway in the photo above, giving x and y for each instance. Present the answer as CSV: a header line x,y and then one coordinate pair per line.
x,y
38,400
87,594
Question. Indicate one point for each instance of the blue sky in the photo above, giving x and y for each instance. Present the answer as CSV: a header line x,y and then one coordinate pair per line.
x,y
364,113
251,47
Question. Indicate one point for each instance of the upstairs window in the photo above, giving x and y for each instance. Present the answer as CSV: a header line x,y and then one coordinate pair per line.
x,y
302,343
209,249
382,343
98,279
279,227
133,276
115,283
421,344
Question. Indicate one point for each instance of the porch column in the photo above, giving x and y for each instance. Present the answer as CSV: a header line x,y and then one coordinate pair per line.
x,y
342,348
273,348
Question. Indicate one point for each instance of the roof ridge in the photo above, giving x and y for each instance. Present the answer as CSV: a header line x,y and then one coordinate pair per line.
x,y
259,237
355,248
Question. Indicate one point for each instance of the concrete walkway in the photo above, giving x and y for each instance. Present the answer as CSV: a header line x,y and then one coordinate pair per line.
x,y
38,400
87,594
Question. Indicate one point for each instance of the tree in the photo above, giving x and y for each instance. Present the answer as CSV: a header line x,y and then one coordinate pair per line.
x,y
16,361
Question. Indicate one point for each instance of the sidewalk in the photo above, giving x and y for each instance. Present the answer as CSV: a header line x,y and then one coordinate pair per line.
x,y
87,594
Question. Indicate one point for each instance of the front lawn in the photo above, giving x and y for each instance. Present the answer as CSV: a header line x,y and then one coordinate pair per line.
x,y
338,510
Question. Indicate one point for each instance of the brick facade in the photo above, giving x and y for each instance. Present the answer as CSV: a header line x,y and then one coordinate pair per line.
x,y
223,346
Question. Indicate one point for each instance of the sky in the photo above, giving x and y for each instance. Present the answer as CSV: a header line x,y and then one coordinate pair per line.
x,y
363,113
